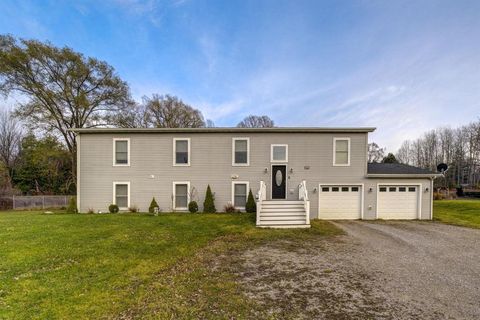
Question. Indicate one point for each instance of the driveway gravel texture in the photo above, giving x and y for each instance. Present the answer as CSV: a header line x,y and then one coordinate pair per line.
x,y
377,270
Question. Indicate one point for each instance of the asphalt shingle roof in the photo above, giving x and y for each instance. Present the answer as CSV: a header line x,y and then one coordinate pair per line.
x,y
395,168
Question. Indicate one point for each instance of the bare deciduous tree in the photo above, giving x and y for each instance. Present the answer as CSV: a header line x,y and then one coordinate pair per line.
x,y
210,124
256,122
160,111
166,111
10,140
135,117
65,90
459,148
375,153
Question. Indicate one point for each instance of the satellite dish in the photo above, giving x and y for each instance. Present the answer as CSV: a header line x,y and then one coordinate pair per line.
x,y
442,167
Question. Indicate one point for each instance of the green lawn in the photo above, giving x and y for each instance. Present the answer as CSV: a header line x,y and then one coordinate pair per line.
x,y
458,212
130,265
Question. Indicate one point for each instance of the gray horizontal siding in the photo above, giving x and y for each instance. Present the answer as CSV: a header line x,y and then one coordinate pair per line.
x,y
211,163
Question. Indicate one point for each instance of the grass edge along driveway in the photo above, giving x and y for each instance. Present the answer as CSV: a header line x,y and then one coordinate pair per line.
x,y
465,213
128,265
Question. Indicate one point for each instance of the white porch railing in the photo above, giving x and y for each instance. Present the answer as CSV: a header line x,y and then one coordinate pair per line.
x,y
261,195
303,196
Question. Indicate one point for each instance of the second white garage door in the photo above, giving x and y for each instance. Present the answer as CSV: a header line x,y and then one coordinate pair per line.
x,y
340,202
398,202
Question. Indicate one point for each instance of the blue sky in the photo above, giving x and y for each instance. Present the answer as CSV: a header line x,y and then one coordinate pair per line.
x,y
402,66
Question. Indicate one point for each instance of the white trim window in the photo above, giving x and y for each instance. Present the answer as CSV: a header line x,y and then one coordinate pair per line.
x,y
121,152
279,153
240,191
240,151
341,151
121,194
181,151
181,195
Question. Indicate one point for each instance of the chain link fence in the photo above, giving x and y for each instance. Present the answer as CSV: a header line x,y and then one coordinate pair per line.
x,y
33,202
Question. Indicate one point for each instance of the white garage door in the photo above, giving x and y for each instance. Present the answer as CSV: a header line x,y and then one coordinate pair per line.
x,y
398,202
340,202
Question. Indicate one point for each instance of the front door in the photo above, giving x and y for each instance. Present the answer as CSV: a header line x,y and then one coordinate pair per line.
x,y
279,187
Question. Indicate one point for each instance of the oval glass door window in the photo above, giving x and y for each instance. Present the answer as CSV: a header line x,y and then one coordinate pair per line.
x,y
278,178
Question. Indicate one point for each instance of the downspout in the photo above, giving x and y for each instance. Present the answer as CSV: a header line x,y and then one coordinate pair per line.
x,y
78,171
431,196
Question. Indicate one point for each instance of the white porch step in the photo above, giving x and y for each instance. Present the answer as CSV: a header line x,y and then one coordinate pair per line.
x,y
279,210
282,218
282,222
267,202
285,226
282,205
286,214
288,207
282,214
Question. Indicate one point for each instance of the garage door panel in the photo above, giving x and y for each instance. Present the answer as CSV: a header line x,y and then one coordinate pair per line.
x,y
398,202
340,202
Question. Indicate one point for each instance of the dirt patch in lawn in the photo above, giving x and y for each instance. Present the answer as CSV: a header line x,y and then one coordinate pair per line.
x,y
391,270
321,280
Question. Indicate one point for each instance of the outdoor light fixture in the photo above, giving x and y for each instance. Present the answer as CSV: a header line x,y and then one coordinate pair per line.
x,y
426,189
314,190
370,189
291,170
265,170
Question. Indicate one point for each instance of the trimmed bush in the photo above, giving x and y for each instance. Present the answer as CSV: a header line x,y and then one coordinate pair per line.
x,y
193,206
72,205
229,208
133,209
251,205
153,205
113,208
209,203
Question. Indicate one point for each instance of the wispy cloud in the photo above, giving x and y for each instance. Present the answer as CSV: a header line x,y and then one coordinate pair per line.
x,y
404,67
208,48
153,10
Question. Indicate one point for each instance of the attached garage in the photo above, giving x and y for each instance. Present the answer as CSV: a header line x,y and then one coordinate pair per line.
x,y
340,202
398,201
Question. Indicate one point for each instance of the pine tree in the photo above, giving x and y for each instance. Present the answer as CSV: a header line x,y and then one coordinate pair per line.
x,y
251,206
72,205
153,205
209,203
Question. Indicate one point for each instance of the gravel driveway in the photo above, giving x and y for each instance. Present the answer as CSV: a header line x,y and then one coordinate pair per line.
x,y
378,270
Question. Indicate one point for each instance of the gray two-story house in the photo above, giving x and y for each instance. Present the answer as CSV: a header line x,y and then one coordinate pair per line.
x,y
296,174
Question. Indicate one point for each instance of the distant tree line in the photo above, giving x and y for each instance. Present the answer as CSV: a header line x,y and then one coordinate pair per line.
x,y
61,90
459,148
377,154
31,164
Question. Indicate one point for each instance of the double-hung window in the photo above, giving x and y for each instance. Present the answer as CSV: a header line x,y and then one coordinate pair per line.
x,y
181,196
341,151
279,153
121,152
240,151
121,195
239,194
181,151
